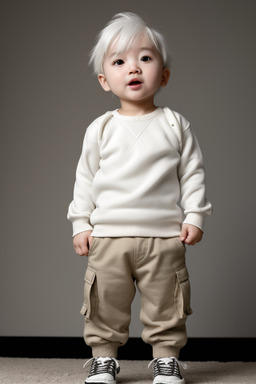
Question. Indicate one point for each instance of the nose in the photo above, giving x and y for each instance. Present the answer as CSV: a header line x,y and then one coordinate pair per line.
x,y
134,68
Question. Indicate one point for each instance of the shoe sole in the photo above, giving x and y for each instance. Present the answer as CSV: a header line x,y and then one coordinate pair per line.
x,y
100,382
174,382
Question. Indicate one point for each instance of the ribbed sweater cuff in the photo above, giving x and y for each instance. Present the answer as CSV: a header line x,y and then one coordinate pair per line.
x,y
81,226
196,219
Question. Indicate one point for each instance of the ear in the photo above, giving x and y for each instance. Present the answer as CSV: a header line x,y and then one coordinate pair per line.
x,y
165,77
103,82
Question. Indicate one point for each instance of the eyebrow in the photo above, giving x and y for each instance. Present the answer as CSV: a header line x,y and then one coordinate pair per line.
x,y
116,53
147,49
113,54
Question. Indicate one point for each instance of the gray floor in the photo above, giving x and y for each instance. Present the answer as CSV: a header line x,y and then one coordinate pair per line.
x,y
70,371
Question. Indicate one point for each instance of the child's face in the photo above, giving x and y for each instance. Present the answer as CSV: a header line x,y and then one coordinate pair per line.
x,y
134,75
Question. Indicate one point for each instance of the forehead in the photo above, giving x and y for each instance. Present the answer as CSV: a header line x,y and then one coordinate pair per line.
x,y
139,43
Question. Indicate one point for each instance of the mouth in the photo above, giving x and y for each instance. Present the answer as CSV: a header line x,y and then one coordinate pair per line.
x,y
135,84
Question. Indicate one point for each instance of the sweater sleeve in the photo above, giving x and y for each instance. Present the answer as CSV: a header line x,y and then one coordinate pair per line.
x,y
192,179
82,206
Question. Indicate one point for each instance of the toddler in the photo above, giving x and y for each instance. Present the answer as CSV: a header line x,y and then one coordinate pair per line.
x,y
140,171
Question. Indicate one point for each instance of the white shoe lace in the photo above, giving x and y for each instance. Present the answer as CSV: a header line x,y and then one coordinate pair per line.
x,y
167,366
103,365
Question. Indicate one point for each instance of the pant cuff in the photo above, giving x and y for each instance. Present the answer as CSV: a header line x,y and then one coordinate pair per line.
x,y
164,351
105,350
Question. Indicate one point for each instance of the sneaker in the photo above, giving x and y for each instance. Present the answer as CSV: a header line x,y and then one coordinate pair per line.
x,y
103,370
167,371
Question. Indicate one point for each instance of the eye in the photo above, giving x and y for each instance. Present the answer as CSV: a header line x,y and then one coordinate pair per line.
x,y
145,58
118,62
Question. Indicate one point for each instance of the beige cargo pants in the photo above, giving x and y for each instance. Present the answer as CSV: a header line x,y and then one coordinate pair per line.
x,y
157,266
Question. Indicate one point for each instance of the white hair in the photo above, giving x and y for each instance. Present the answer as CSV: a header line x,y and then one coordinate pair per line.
x,y
124,29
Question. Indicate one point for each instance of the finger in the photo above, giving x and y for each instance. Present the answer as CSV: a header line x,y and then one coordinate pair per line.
x,y
184,234
85,251
189,240
82,251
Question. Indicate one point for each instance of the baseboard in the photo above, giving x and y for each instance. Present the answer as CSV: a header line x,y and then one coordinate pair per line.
x,y
197,349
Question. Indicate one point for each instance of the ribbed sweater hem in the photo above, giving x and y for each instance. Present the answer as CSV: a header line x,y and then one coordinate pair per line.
x,y
126,231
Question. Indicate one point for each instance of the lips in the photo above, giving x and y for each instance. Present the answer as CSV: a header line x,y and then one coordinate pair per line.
x,y
135,84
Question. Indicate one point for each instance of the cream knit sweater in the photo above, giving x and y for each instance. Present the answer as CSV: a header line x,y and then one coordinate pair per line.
x,y
134,176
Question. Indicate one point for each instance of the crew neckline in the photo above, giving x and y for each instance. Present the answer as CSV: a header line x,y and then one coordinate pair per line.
x,y
137,117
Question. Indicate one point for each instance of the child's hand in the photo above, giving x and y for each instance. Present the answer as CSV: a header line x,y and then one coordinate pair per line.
x,y
190,234
82,242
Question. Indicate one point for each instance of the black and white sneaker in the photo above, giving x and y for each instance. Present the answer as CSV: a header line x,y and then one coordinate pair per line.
x,y
103,370
167,371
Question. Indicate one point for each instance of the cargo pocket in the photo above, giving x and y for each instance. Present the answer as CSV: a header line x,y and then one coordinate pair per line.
x,y
182,293
90,304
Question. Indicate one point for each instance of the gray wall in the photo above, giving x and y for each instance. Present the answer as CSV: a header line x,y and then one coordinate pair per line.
x,y
49,97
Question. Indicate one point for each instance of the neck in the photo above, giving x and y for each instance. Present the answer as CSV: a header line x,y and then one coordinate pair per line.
x,y
136,109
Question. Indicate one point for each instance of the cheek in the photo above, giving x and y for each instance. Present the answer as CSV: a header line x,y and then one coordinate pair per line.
x,y
114,78
157,79
155,73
